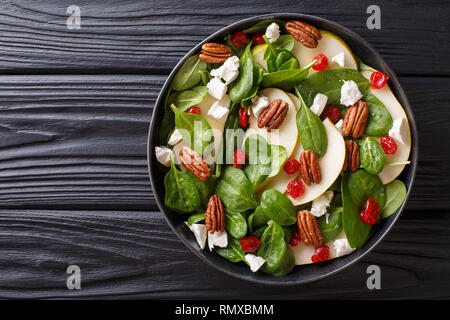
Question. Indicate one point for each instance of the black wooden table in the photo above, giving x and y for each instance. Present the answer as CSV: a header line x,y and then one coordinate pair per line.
x,y
75,109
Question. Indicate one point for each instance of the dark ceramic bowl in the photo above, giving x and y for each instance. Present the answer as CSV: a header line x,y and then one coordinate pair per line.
x,y
300,274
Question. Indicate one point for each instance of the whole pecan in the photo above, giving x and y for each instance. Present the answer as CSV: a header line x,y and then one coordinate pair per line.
x,y
351,156
272,116
355,120
304,33
310,167
194,163
214,216
309,229
214,52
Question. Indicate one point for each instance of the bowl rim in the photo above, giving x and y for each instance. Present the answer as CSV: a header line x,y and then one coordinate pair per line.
x,y
377,235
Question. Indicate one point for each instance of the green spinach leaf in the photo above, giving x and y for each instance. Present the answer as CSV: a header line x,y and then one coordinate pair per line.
x,y
261,26
285,60
235,190
329,83
372,155
278,207
279,156
241,87
235,224
395,195
195,130
168,120
380,121
286,265
205,188
363,185
286,79
195,218
355,230
233,251
188,98
273,247
181,193
331,229
188,76
259,159
311,129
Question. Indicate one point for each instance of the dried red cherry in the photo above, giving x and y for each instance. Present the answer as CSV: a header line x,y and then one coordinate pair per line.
x,y
238,39
378,80
258,38
250,243
322,253
243,117
295,188
239,158
332,112
195,110
295,239
388,144
291,166
322,62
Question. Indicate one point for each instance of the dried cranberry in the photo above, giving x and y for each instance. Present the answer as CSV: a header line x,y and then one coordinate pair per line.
x,y
295,239
250,244
291,166
238,39
239,158
195,110
322,253
388,144
295,188
258,38
378,80
370,212
332,112
243,117
322,62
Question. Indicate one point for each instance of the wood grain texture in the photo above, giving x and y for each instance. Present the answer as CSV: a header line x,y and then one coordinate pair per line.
x,y
151,36
73,142
134,254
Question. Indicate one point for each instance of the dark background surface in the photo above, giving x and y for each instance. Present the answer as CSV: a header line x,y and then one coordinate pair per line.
x,y
75,106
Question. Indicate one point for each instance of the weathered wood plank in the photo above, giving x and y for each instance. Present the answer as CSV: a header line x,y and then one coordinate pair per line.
x,y
73,142
135,254
151,36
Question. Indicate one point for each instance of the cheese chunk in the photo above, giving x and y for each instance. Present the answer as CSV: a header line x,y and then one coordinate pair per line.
x,y
199,231
338,125
319,103
163,155
320,204
220,109
273,32
350,93
259,104
216,88
228,71
339,59
217,239
342,247
175,137
254,261
398,130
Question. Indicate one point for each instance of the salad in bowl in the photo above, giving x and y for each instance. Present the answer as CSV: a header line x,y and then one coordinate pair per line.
x,y
280,148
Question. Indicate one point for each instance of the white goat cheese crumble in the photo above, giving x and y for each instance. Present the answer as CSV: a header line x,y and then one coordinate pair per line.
x,y
228,71
320,204
338,125
398,130
199,231
273,32
220,109
319,103
163,155
216,88
339,59
350,93
255,262
175,137
217,239
342,247
259,104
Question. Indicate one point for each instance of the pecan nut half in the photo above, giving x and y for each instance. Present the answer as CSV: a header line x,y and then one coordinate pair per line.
x,y
272,116
304,33
214,52
351,160
309,229
355,120
214,216
194,163
310,167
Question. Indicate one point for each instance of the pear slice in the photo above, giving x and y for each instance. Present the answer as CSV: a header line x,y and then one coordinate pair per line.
x,y
286,135
385,95
303,253
330,45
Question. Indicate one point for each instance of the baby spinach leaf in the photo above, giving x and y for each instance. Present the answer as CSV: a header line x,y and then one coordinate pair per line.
x,y
259,159
363,185
287,233
233,134
273,247
232,251
205,76
235,190
311,129
331,229
181,193
286,79
355,230
364,67
195,218
195,130
188,98
261,26
279,156
372,155
259,232
380,121
168,120
241,87
395,195
205,188
284,42
259,217
286,265
285,60
188,76
329,83
235,224
278,207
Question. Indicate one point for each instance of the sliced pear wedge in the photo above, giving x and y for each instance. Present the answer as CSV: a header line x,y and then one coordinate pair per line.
x,y
303,253
330,45
385,95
